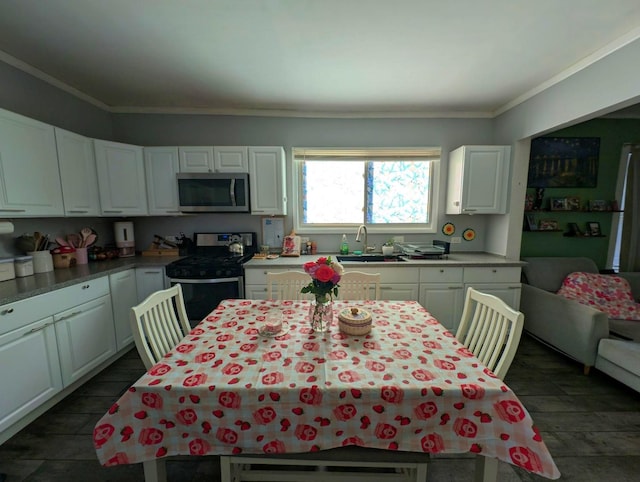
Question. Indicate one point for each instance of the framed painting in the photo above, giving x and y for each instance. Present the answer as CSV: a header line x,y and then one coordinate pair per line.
x,y
564,162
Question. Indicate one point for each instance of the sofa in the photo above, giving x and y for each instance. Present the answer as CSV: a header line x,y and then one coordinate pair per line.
x,y
579,331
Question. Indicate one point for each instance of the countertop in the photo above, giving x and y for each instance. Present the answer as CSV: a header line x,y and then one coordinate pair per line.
x,y
469,259
20,288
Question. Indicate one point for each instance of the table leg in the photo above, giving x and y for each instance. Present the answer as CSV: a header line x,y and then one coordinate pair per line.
x,y
486,469
155,470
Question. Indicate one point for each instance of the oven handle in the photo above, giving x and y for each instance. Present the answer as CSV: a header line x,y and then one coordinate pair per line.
x,y
237,279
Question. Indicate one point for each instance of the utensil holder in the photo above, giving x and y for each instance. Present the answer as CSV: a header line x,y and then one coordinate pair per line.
x,y
81,256
42,261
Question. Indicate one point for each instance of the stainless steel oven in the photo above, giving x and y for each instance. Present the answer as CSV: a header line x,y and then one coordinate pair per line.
x,y
213,272
202,295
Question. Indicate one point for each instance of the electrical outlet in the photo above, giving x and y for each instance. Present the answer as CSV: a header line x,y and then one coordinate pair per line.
x,y
398,239
456,240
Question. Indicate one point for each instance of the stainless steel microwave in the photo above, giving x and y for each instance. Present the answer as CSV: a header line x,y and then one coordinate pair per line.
x,y
207,192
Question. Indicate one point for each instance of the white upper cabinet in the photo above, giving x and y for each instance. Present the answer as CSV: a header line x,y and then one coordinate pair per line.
x,y
77,162
29,179
196,159
230,159
161,165
121,179
267,181
478,180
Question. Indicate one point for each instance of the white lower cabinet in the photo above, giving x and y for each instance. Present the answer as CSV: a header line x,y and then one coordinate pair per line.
x,y
442,294
30,373
149,280
124,295
503,282
85,336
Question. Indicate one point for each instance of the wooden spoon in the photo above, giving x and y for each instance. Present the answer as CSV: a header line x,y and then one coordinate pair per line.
x,y
84,232
89,240
61,241
74,240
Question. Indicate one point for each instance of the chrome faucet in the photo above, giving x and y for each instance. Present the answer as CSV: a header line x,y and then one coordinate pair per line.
x,y
367,248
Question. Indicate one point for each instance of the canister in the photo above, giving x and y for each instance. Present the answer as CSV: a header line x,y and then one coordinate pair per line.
x,y
64,257
7,271
23,266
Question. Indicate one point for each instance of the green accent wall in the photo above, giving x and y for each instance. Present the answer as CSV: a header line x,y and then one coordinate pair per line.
x,y
613,133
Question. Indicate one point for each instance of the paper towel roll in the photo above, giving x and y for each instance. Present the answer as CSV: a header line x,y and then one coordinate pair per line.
x,y
6,227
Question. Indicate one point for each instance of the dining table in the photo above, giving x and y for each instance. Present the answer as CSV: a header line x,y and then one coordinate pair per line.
x,y
230,388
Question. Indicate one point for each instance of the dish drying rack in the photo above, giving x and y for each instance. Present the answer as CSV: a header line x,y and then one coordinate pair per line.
x,y
436,250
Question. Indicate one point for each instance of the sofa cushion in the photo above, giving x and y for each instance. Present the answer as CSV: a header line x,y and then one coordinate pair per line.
x,y
608,293
623,353
548,273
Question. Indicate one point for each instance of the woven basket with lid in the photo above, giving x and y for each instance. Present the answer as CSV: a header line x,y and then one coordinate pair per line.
x,y
354,321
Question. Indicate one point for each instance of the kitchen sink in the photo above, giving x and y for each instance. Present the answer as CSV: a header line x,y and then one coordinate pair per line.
x,y
370,258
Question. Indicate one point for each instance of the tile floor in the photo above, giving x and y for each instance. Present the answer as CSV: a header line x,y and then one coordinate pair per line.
x,y
591,425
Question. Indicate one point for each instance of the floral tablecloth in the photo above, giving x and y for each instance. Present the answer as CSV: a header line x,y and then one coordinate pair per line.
x,y
408,385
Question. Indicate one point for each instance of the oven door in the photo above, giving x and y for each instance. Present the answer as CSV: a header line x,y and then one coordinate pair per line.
x,y
201,296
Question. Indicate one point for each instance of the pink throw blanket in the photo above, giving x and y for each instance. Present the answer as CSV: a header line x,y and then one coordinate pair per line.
x,y
608,293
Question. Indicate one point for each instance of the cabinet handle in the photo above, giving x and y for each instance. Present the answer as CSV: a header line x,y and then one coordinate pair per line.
x,y
442,271
12,210
6,312
514,287
77,211
454,287
75,313
85,287
111,211
33,330
494,270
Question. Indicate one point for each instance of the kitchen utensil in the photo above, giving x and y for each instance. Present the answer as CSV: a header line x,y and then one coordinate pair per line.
x,y
74,240
90,239
84,232
61,241
37,240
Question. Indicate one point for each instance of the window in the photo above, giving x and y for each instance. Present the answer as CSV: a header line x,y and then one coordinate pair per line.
x,y
386,189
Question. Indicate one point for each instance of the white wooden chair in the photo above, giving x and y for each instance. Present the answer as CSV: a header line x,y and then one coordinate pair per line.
x,y
287,285
159,323
491,329
357,285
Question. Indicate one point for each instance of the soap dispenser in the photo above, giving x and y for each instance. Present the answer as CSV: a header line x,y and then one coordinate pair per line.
x,y
344,246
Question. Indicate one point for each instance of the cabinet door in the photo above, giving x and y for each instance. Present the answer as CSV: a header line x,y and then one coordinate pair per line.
x,y
30,372
478,180
255,292
161,166
121,178
444,301
149,280
507,292
267,180
123,296
196,158
230,159
30,179
399,291
85,337
78,173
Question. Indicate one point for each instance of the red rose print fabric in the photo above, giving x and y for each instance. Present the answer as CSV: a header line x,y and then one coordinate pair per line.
x,y
407,385
607,293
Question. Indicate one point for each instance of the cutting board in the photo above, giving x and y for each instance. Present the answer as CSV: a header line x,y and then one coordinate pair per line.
x,y
291,245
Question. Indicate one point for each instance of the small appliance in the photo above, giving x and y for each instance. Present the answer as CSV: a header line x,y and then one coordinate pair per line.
x,y
125,240
209,192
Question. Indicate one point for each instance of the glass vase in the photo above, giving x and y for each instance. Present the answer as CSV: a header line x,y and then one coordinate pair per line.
x,y
321,314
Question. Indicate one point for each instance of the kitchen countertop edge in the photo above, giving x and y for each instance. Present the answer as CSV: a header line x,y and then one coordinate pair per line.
x,y
18,289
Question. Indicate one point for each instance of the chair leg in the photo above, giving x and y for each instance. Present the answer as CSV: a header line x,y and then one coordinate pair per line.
x,y
155,470
486,469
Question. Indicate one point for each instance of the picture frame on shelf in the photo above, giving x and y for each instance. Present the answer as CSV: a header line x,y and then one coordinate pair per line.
x,y
559,204
597,205
573,203
574,230
548,225
593,228
531,222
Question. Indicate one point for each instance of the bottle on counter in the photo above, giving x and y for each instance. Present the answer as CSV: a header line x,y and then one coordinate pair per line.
x,y
344,246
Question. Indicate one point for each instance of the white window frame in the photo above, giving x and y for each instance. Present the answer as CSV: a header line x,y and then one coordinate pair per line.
x,y
425,228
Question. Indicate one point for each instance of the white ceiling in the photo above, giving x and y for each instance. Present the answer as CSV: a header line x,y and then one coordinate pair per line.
x,y
311,57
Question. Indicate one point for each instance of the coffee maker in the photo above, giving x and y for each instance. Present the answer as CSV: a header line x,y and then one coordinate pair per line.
x,y
125,240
